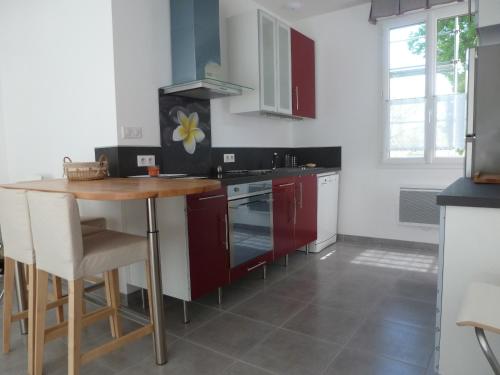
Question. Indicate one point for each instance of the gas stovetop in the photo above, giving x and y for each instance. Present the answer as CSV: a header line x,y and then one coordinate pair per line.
x,y
247,172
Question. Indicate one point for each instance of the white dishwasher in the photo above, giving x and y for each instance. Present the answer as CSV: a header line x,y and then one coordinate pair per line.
x,y
328,197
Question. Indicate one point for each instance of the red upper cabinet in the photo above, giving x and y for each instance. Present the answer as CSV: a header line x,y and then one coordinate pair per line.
x,y
303,75
306,192
208,241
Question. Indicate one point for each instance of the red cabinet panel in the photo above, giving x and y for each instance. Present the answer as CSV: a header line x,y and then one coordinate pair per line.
x,y
306,192
303,75
208,247
284,215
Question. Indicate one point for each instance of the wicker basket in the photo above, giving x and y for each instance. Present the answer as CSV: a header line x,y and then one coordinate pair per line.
x,y
85,171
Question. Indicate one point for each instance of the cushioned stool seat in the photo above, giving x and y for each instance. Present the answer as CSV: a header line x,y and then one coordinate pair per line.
x,y
107,250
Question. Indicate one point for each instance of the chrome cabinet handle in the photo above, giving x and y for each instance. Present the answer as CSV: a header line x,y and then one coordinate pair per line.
x,y
256,266
301,196
211,197
297,96
295,211
285,185
227,232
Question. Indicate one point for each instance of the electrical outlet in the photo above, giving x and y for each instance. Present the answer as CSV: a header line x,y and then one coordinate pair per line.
x,y
229,158
146,160
131,132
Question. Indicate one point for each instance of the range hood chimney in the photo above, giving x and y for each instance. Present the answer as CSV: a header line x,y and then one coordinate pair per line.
x,y
196,52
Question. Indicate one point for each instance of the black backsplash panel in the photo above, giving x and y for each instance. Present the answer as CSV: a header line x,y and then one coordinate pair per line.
x,y
327,157
247,158
185,135
261,158
123,159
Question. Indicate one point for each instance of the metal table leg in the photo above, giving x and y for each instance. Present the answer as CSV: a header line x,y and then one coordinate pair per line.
x,y
159,334
22,298
186,312
486,349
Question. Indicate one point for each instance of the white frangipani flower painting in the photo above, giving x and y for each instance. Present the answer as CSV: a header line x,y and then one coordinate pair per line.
x,y
188,131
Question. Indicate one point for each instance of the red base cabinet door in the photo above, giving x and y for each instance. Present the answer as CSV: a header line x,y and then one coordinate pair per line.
x,y
208,241
284,216
303,75
306,192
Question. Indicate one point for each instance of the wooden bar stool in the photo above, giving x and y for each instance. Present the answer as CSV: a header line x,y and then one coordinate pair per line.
x,y
63,251
481,310
18,247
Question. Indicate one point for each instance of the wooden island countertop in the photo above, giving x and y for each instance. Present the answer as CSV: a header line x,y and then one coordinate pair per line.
x,y
120,189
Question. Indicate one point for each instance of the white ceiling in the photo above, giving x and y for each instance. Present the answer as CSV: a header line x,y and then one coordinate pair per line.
x,y
308,7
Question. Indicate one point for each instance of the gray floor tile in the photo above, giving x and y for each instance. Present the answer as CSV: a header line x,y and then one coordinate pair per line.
x,y
349,295
337,326
336,289
291,353
353,362
198,314
320,272
240,368
408,344
132,354
406,311
231,296
230,334
184,358
429,276
424,291
269,308
299,289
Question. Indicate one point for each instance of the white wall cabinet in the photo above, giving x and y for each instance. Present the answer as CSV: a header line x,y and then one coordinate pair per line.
x,y
260,57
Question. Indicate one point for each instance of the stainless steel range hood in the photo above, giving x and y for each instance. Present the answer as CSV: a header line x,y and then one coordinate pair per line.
x,y
205,89
196,54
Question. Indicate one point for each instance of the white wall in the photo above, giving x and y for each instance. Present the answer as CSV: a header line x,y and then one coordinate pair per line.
x,y
3,155
141,34
489,12
57,83
349,103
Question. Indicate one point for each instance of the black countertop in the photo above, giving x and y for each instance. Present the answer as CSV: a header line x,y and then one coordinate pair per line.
x,y
464,192
229,179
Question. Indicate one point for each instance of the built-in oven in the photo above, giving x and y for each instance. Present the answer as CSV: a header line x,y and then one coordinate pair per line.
x,y
250,208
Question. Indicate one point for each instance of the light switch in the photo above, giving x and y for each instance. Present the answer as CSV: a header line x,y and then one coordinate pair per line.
x,y
131,132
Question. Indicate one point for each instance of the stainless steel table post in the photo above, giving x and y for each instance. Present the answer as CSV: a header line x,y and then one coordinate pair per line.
x,y
22,298
158,317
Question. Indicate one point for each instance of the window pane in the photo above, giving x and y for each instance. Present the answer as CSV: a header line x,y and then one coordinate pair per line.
x,y
407,131
407,62
455,35
407,86
450,125
450,78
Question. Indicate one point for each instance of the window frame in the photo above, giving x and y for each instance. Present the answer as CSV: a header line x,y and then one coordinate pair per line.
x,y
430,18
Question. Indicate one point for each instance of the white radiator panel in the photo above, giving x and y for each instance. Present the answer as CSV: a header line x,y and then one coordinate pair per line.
x,y
418,206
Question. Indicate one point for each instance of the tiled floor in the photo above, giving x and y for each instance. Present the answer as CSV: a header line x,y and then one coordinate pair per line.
x,y
351,310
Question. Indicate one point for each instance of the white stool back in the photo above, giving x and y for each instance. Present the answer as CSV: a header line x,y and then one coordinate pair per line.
x,y
15,226
57,234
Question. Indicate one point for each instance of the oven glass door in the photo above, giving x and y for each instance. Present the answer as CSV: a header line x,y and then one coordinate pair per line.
x,y
250,228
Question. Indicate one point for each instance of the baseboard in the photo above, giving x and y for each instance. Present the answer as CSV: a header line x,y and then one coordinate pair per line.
x,y
389,243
